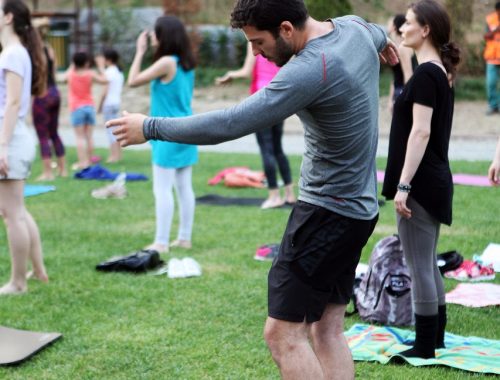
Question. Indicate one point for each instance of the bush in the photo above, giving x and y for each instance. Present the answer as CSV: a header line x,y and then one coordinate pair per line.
x,y
323,9
221,47
472,59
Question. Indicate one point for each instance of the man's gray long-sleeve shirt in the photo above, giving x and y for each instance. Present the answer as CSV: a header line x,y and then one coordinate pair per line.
x,y
332,85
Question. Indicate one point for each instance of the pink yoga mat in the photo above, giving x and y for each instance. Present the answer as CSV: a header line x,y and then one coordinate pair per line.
x,y
475,295
458,179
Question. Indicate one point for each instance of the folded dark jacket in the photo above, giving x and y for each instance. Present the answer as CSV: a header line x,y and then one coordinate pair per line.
x,y
137,262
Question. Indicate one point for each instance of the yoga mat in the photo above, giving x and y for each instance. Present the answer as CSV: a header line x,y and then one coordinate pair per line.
x,y
475,295
219,200
382,344
19,345
30,190
458,179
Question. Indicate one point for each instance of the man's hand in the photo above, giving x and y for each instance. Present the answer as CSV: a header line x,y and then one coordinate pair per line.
x,y
389,54
128,129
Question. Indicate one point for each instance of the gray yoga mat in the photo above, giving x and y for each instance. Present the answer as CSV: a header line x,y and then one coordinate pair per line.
x,y
19,345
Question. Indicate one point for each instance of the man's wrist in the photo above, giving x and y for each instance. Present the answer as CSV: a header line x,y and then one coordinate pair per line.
x,y
146,128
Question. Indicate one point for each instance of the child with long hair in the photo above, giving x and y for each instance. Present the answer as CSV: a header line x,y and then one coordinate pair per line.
x,y
23,73
171,79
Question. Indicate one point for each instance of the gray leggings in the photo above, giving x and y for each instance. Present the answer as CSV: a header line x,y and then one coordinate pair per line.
x,y
419,236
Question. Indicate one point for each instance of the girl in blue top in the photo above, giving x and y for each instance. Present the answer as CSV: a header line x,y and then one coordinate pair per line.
x,y
171,78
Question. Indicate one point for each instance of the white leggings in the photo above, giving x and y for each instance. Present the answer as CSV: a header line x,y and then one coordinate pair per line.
x,y
163,181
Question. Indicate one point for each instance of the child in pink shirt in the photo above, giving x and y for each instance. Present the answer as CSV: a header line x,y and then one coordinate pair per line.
x,y
81,103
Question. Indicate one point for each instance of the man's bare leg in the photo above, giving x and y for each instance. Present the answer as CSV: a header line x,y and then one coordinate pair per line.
x,y
330,345
291,350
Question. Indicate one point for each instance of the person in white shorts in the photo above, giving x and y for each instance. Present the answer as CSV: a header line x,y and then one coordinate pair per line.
x,y
17,145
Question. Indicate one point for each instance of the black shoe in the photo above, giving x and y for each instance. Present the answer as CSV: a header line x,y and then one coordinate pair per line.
x,y
425,337
491,111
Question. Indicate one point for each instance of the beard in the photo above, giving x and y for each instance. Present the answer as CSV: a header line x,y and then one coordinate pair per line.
x,y
283,52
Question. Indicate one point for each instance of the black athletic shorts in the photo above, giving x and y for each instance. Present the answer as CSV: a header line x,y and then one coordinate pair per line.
x,y
316,263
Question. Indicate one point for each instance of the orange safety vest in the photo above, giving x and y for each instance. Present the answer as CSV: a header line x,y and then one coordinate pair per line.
x,y
492,50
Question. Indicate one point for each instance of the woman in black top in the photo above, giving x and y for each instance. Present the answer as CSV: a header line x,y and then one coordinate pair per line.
x,y
418,175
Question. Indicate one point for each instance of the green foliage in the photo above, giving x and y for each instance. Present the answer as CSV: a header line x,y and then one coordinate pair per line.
x,y
461,13
323,9
205,76
120,326
114,21
470,88
472,59
221,47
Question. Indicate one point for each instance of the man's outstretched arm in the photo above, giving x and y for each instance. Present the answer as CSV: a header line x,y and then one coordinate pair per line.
x,y
284,96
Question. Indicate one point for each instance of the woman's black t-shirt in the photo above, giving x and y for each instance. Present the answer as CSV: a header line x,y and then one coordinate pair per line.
x,y
398,77
432,185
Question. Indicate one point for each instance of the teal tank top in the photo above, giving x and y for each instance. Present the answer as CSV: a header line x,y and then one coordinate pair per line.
x,y
173,99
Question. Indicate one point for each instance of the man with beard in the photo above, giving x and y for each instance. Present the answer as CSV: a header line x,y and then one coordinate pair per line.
x,y
331,83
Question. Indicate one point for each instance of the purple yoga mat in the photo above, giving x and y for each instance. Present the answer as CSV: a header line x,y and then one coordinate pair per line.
x,y
458,179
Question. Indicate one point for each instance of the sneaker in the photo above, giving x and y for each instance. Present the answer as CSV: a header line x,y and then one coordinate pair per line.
x,y
115,190
267,252
191,267
175,268
491,111
471,271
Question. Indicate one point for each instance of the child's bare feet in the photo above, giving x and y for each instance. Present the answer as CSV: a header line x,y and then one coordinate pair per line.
x,y
113,160
273,202
31,275
11,289
160,248
186,244
63,173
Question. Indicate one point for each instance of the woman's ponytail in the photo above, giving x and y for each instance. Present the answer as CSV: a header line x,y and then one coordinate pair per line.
x,y
451,57
32,41
34,45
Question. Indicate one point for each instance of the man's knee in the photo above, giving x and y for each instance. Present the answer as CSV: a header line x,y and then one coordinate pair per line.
x,y
331,324
283,337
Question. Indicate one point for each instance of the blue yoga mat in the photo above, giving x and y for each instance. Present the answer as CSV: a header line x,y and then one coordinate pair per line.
x,y
382,344
30,190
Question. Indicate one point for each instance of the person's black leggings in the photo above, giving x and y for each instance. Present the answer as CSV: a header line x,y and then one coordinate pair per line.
x,y
419,236
269,141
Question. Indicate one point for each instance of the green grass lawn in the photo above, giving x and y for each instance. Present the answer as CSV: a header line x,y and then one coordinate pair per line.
x,y
120,326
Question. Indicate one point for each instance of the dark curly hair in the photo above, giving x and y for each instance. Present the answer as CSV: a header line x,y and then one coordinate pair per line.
x,y
268,14
31,40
